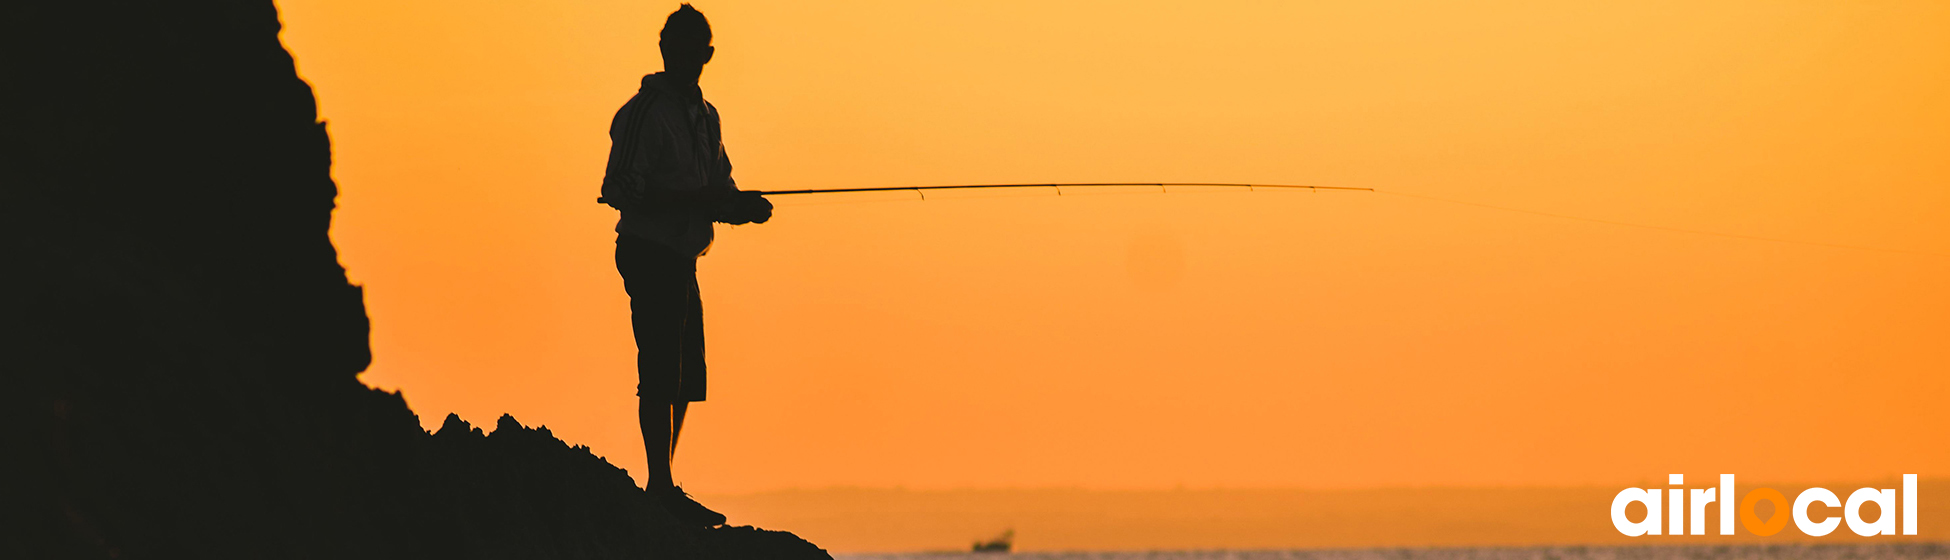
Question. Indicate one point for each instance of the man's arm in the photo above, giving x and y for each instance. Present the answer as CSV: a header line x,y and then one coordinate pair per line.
x,y
736,207
701,201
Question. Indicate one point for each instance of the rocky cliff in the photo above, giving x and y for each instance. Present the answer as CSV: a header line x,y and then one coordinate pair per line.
x,y
180,343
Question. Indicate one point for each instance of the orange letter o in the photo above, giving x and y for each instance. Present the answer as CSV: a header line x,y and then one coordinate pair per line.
x,y
1751,520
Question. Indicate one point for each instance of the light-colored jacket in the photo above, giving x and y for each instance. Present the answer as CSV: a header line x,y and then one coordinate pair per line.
x,y
667,138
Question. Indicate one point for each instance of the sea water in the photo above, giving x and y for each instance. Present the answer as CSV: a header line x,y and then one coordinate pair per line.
x,y
1889,551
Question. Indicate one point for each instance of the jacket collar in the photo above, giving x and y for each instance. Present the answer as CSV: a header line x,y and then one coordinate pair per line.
x,y
686,92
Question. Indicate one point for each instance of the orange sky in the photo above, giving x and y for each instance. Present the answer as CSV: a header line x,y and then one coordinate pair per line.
x,y
1329,340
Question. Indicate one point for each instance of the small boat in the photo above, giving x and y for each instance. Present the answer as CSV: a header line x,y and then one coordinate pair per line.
x,y
1000,544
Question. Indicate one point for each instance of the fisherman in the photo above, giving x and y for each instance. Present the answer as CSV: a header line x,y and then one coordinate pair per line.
x,y
669,177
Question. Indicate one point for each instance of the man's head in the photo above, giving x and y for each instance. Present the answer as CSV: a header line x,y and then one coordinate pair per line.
x,y
686,42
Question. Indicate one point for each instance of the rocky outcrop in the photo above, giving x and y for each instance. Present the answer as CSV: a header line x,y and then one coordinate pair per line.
x,y
180,345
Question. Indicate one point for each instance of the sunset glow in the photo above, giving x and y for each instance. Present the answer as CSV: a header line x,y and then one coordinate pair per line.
x,y
1122,339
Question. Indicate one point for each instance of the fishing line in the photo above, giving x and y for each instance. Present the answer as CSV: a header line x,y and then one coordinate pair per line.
x,y
1664,228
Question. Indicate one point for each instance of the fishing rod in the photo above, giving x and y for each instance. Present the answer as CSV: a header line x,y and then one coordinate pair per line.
x,y
922,189
1162,188
1059,187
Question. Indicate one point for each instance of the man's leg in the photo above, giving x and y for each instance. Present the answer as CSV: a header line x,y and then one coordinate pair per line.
x,y
690,388
676,426
660,419
692,375
675,501
658,287
663,309
659,440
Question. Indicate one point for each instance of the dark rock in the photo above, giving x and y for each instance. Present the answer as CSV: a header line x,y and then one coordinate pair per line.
x,y
180,345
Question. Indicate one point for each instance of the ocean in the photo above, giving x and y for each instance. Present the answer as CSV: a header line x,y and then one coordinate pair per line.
x,y
1890,551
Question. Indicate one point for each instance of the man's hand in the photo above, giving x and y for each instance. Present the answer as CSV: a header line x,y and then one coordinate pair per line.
x,y
744,207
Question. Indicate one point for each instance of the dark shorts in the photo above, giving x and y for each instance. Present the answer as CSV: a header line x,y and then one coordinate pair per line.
x,y
668,317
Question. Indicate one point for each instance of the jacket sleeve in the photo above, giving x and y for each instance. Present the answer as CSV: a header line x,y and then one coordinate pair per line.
x,y
633,151
648,144
721,171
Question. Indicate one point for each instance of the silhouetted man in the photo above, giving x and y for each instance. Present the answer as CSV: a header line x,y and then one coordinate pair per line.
x,y
669,176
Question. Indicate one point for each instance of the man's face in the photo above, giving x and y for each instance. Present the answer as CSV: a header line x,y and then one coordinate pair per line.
x,y
685,56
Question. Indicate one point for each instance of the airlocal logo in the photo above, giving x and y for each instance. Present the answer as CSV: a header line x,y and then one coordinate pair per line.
x,y
1885,500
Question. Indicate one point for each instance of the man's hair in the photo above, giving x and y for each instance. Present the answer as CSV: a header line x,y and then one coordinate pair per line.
x,y
686,27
